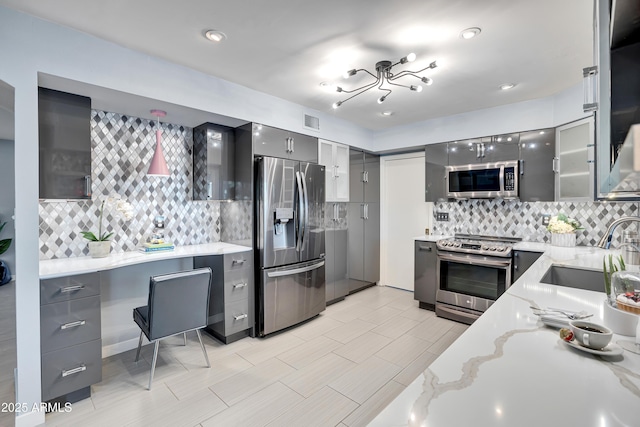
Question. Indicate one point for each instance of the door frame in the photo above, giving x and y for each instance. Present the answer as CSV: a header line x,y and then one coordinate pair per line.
x,y
384,233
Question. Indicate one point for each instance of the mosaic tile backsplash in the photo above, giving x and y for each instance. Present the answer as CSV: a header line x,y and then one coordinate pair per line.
x,y
523,219
122,148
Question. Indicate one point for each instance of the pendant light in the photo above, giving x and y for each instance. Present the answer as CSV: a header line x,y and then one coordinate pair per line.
x,y
158,165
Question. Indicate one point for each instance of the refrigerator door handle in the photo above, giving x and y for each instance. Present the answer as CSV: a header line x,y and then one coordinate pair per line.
x,y
295,270
306,208
300,212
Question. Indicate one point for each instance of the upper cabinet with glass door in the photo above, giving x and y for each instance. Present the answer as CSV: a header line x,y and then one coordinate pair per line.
x,y
335,157
617,90
574,161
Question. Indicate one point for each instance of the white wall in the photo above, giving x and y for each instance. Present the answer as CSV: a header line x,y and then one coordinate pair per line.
x,y
547,112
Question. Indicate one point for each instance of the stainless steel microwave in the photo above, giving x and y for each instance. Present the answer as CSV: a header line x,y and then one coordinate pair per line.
x,y
483,180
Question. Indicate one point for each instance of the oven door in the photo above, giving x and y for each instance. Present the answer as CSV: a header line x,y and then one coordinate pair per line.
x,y
472,282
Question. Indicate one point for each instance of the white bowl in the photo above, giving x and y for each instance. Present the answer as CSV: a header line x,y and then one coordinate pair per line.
x,y
620,322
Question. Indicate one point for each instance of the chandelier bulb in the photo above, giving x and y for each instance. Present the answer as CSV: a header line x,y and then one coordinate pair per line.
x,y
416,88
427,81
411,57
381,99
336,104
349,73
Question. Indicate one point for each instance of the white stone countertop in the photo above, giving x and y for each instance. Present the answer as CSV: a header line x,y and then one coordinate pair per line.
x,y
508,369
79,265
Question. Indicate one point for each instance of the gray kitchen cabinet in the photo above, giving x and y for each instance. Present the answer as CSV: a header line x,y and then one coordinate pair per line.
x,y
274,142
425,282
363,217
231,302
436,157
484,150
501,148
536,173
522,260
70,336
336,269
213,162
363,245
64,133
364,177
465,152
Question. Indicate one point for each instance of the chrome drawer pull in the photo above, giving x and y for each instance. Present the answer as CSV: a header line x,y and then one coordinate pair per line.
x,y
239,285
80,368
239,261
240,316
72,324
71,289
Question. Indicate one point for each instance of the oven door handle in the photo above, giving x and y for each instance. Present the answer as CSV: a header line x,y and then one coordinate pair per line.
x,y
475,260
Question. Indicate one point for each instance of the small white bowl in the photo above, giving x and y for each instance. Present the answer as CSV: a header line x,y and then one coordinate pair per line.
x,y
620,322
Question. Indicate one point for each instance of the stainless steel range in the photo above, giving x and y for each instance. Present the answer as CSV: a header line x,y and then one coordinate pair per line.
x,y
472,272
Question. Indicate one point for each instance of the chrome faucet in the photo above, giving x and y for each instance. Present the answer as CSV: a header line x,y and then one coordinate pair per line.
x,y
605,241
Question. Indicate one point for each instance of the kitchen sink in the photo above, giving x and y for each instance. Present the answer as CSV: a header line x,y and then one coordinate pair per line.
x,y
580,278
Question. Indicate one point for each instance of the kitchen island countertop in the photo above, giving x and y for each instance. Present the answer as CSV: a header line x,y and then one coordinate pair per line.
x,y
509,369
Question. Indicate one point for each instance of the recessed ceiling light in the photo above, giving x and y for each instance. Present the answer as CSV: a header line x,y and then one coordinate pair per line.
x,y
215,35
470,33
327,87
507,86
387,113
541,132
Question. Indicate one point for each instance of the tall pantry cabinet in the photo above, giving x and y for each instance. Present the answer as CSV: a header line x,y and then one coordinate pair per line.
x,y
363,217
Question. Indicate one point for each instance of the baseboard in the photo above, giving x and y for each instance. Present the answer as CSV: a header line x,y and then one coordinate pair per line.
x,y
121,347
30,419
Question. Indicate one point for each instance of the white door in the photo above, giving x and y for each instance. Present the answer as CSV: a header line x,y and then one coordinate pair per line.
x,y
405,215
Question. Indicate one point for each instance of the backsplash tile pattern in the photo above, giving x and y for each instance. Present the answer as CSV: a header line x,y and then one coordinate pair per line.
x,y
122,148
513,218
236,220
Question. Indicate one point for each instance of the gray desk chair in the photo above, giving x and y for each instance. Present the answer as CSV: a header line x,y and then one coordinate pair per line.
x,y
178,303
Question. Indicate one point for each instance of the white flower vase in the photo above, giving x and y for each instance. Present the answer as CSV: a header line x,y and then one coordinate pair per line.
x,y
567,240
100,249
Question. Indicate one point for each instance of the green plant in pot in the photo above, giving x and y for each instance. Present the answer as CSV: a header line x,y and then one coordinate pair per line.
x,y
5,273
100,243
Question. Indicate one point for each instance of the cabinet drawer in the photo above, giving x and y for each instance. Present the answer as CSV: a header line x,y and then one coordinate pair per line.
x,y
68,323
71,369
237,317
237,285
69,287
238,261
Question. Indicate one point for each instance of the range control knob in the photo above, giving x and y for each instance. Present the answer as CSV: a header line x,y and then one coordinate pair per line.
x,y
492,248
457,244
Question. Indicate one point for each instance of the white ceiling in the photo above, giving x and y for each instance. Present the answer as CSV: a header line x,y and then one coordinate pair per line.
x,y
287,48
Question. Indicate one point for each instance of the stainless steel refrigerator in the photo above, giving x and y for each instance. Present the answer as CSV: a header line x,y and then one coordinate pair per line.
x,y
290,242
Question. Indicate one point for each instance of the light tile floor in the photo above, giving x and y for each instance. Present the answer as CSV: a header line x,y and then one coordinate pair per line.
x,y
341,368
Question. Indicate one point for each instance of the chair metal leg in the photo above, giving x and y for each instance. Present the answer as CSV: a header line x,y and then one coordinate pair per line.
x,y
153,363
139,345
184,337
206,357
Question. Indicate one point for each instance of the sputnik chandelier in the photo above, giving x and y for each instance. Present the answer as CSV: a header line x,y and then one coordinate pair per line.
x,y
385,77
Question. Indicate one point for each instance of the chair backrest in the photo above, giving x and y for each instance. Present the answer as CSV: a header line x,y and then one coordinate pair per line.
x,y
178,302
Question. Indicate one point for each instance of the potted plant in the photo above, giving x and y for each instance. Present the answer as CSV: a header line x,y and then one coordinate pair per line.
x,y
5,273
563,230
100,244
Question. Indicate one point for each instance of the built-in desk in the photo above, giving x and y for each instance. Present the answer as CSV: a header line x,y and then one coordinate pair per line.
x,y
124,284
74,289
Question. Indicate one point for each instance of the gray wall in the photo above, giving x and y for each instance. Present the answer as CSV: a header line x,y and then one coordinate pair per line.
x,y
7,199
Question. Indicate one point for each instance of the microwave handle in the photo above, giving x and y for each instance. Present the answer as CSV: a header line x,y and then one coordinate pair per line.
x,y
502,178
